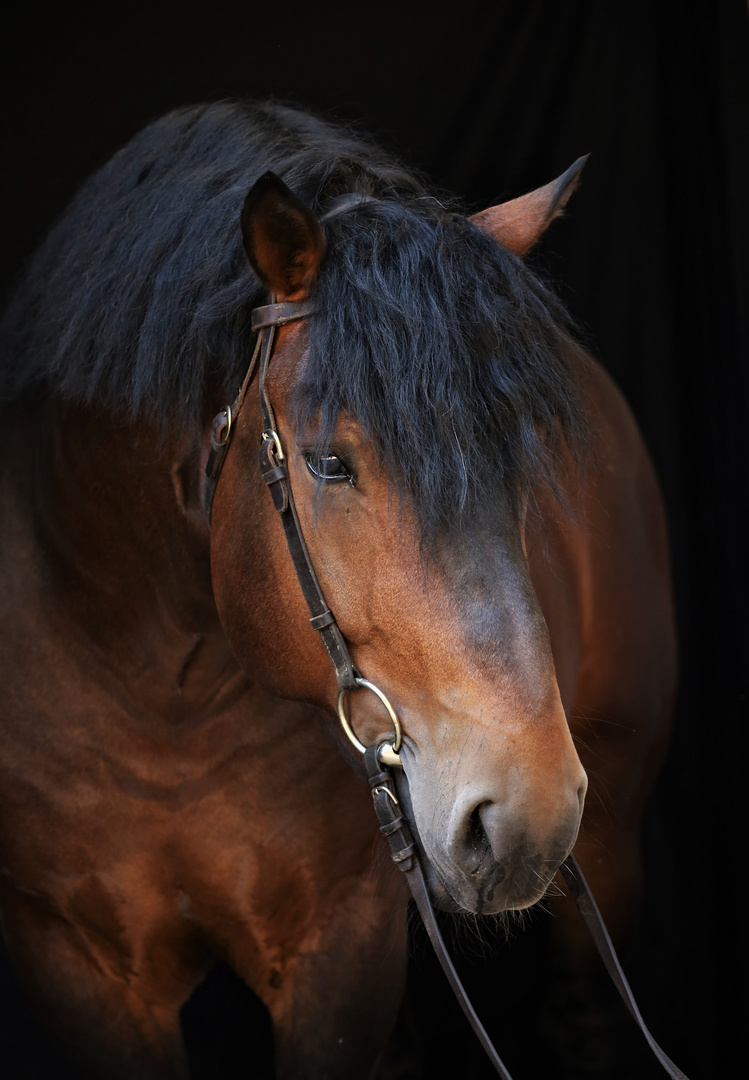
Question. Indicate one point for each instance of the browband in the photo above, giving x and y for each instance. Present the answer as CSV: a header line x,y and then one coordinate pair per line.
x,y
280,314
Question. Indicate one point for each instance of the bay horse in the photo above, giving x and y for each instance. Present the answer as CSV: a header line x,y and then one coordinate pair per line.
x,y
481,514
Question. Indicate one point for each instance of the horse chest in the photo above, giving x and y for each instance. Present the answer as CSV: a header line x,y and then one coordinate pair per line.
x,y
131,833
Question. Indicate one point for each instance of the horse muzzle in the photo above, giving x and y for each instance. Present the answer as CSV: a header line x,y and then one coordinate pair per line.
x,y
488,856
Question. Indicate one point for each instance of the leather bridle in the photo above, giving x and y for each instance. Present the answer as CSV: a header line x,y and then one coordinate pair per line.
x,y
274,471
381,758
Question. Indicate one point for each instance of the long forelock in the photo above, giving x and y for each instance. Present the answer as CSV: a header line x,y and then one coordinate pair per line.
x,y
442,345
138,300
451,356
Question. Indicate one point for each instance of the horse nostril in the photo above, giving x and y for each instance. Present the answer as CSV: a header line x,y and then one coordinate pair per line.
x,y
476,830
478,846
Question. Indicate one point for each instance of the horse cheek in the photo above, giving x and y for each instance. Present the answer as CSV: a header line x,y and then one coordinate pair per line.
x,y
260,605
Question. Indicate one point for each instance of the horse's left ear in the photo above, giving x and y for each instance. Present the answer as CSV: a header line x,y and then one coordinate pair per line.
x,y
283,240
518,224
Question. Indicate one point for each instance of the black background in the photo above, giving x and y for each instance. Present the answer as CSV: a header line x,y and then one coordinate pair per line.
x,y
494,98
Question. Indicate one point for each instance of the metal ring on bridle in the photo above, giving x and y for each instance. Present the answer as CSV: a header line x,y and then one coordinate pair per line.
x,y
388,752
229,422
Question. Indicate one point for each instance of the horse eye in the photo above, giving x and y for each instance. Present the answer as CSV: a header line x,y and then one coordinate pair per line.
x,y
328,468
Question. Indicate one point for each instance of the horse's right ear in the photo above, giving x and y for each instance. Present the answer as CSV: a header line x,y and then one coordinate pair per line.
x,y
519,224
282,238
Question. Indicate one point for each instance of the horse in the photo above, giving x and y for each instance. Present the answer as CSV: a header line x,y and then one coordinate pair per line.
x,y
484,522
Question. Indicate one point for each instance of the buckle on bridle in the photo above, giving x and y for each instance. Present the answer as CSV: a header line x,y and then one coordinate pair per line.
x,y
271,436
221,431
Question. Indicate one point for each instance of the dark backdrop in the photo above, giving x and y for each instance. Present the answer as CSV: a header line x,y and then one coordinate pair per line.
x,y
493,98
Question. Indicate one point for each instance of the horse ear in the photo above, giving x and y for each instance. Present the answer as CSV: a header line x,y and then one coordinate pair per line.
x,y
518,224
282,238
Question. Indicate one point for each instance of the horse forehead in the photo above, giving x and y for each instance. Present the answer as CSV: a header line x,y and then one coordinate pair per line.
x,y
290,361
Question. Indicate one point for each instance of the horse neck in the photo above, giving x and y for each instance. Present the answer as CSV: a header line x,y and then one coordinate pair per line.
x,y
120,532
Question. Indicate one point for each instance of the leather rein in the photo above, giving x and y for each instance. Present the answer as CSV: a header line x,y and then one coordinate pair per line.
x,y
381,758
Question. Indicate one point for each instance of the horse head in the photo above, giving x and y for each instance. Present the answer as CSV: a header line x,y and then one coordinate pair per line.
x,y
417,410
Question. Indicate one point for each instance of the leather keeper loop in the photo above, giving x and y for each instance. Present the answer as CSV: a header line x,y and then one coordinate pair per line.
x,y
272,476
378,779
400,856
393,826
319,622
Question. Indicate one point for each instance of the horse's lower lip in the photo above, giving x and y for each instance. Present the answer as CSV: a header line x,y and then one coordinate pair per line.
x,y
482,887
443,897
487,898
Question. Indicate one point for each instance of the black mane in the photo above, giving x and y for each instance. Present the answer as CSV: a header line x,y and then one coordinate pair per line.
x,y
441,343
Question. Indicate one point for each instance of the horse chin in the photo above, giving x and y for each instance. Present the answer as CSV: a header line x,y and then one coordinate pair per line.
x,y
490,896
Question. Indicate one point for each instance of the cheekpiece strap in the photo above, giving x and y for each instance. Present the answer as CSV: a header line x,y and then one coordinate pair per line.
x,y
274,470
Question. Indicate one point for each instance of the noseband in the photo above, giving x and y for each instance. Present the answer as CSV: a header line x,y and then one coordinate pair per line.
x,y
382,757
